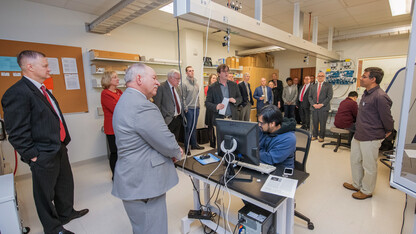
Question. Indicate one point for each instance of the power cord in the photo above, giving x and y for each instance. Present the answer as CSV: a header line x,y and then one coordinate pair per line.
x,y
404,217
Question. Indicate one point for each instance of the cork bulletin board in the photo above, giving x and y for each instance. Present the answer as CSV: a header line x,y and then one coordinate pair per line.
x,y
71,95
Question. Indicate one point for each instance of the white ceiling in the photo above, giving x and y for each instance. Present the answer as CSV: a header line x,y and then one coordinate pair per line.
x,y
343,15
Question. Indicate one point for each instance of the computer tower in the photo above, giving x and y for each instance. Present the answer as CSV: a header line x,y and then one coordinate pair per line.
x,y
256,220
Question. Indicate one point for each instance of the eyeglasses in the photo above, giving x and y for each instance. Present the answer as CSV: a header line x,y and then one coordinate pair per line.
x,y
261,123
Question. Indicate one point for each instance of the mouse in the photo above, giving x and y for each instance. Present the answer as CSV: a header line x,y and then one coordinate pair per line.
x,y
258,180
204,157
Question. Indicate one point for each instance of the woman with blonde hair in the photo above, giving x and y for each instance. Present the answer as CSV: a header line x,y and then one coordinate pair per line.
x,y
109,98
209,115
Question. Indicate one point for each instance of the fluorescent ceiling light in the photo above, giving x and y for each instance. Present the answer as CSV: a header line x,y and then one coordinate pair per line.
x,y
168,8
260,50
400,7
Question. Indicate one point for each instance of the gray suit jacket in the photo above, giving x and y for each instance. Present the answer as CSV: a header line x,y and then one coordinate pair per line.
x,y
145,146
164,100
324,97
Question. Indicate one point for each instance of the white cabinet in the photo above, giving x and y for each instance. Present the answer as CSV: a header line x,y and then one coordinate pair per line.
x,y
9,217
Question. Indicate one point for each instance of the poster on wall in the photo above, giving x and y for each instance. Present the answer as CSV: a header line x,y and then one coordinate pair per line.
x,y
9,64
72,81
54,66
69,65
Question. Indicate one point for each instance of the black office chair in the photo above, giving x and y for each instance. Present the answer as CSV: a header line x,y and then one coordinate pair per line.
x,y
303,143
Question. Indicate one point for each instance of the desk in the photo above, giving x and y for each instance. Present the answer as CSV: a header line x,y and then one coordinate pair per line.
x,y
282,207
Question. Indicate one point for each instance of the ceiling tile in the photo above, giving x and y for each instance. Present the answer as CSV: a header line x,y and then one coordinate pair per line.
x,y
85,7
56,3
350,3
322,8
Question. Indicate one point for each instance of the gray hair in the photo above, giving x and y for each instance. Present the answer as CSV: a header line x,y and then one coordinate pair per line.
x,y
172,72
134,70
28,54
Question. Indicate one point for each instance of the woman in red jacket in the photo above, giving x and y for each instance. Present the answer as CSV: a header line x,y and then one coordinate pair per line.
x,y
109,99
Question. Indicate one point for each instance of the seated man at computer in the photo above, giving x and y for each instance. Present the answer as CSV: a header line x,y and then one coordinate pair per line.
x,y
347,114
277,141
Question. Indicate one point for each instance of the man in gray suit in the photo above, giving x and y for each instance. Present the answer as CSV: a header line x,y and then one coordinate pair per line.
x,y
319,98
168,99
147,150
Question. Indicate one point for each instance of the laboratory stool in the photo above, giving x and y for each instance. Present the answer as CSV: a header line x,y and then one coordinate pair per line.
x,y
339,132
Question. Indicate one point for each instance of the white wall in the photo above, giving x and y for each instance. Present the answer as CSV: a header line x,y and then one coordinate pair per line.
x,y
287,59
27,21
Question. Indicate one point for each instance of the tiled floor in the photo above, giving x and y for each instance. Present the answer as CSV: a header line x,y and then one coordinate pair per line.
x,y
321,197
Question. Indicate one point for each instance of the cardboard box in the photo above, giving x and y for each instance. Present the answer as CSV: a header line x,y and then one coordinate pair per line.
x,y
231,62
248,61
115,55
264,60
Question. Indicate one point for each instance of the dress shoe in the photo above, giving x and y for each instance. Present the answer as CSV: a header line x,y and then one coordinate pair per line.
x,y
361,196
320,139
64,231
76,214
189,153
350,187
313,138
197,147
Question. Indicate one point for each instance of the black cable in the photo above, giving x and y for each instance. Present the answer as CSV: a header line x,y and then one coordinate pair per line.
x,y
197,191
404,210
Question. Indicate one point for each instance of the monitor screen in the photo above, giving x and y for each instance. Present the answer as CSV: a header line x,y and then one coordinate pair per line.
x,y
247,136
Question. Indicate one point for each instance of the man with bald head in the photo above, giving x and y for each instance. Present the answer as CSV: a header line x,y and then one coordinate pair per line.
x,y
147,149
319,99
38,132
263,95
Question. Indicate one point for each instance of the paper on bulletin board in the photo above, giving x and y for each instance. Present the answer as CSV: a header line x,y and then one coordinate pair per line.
x,y
69,65
9,64
72,81
54,66
49,84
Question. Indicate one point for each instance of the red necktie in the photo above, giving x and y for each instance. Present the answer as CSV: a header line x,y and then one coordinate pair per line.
x,y
176,101
301,94
61,125
319,91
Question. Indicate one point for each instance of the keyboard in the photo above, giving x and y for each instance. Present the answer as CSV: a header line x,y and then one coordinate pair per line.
x,y
263,168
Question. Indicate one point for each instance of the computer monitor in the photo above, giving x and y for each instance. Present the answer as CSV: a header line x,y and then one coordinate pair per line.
x,y
246,135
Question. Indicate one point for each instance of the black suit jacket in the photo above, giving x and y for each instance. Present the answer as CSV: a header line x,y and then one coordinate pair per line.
x,y
214,97
32,123
244,95
305,103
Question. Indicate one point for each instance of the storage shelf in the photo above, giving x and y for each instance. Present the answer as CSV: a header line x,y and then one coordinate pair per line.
x,y
123,73
133,61
231,69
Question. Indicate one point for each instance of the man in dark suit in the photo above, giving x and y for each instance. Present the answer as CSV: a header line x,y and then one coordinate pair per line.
x,y
263,95
245,90
297,84
38,132
303,103
319,98
221,89
168,99
279,87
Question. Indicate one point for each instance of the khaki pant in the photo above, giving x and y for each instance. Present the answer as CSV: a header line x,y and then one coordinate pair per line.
x,y
245,112
364,155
